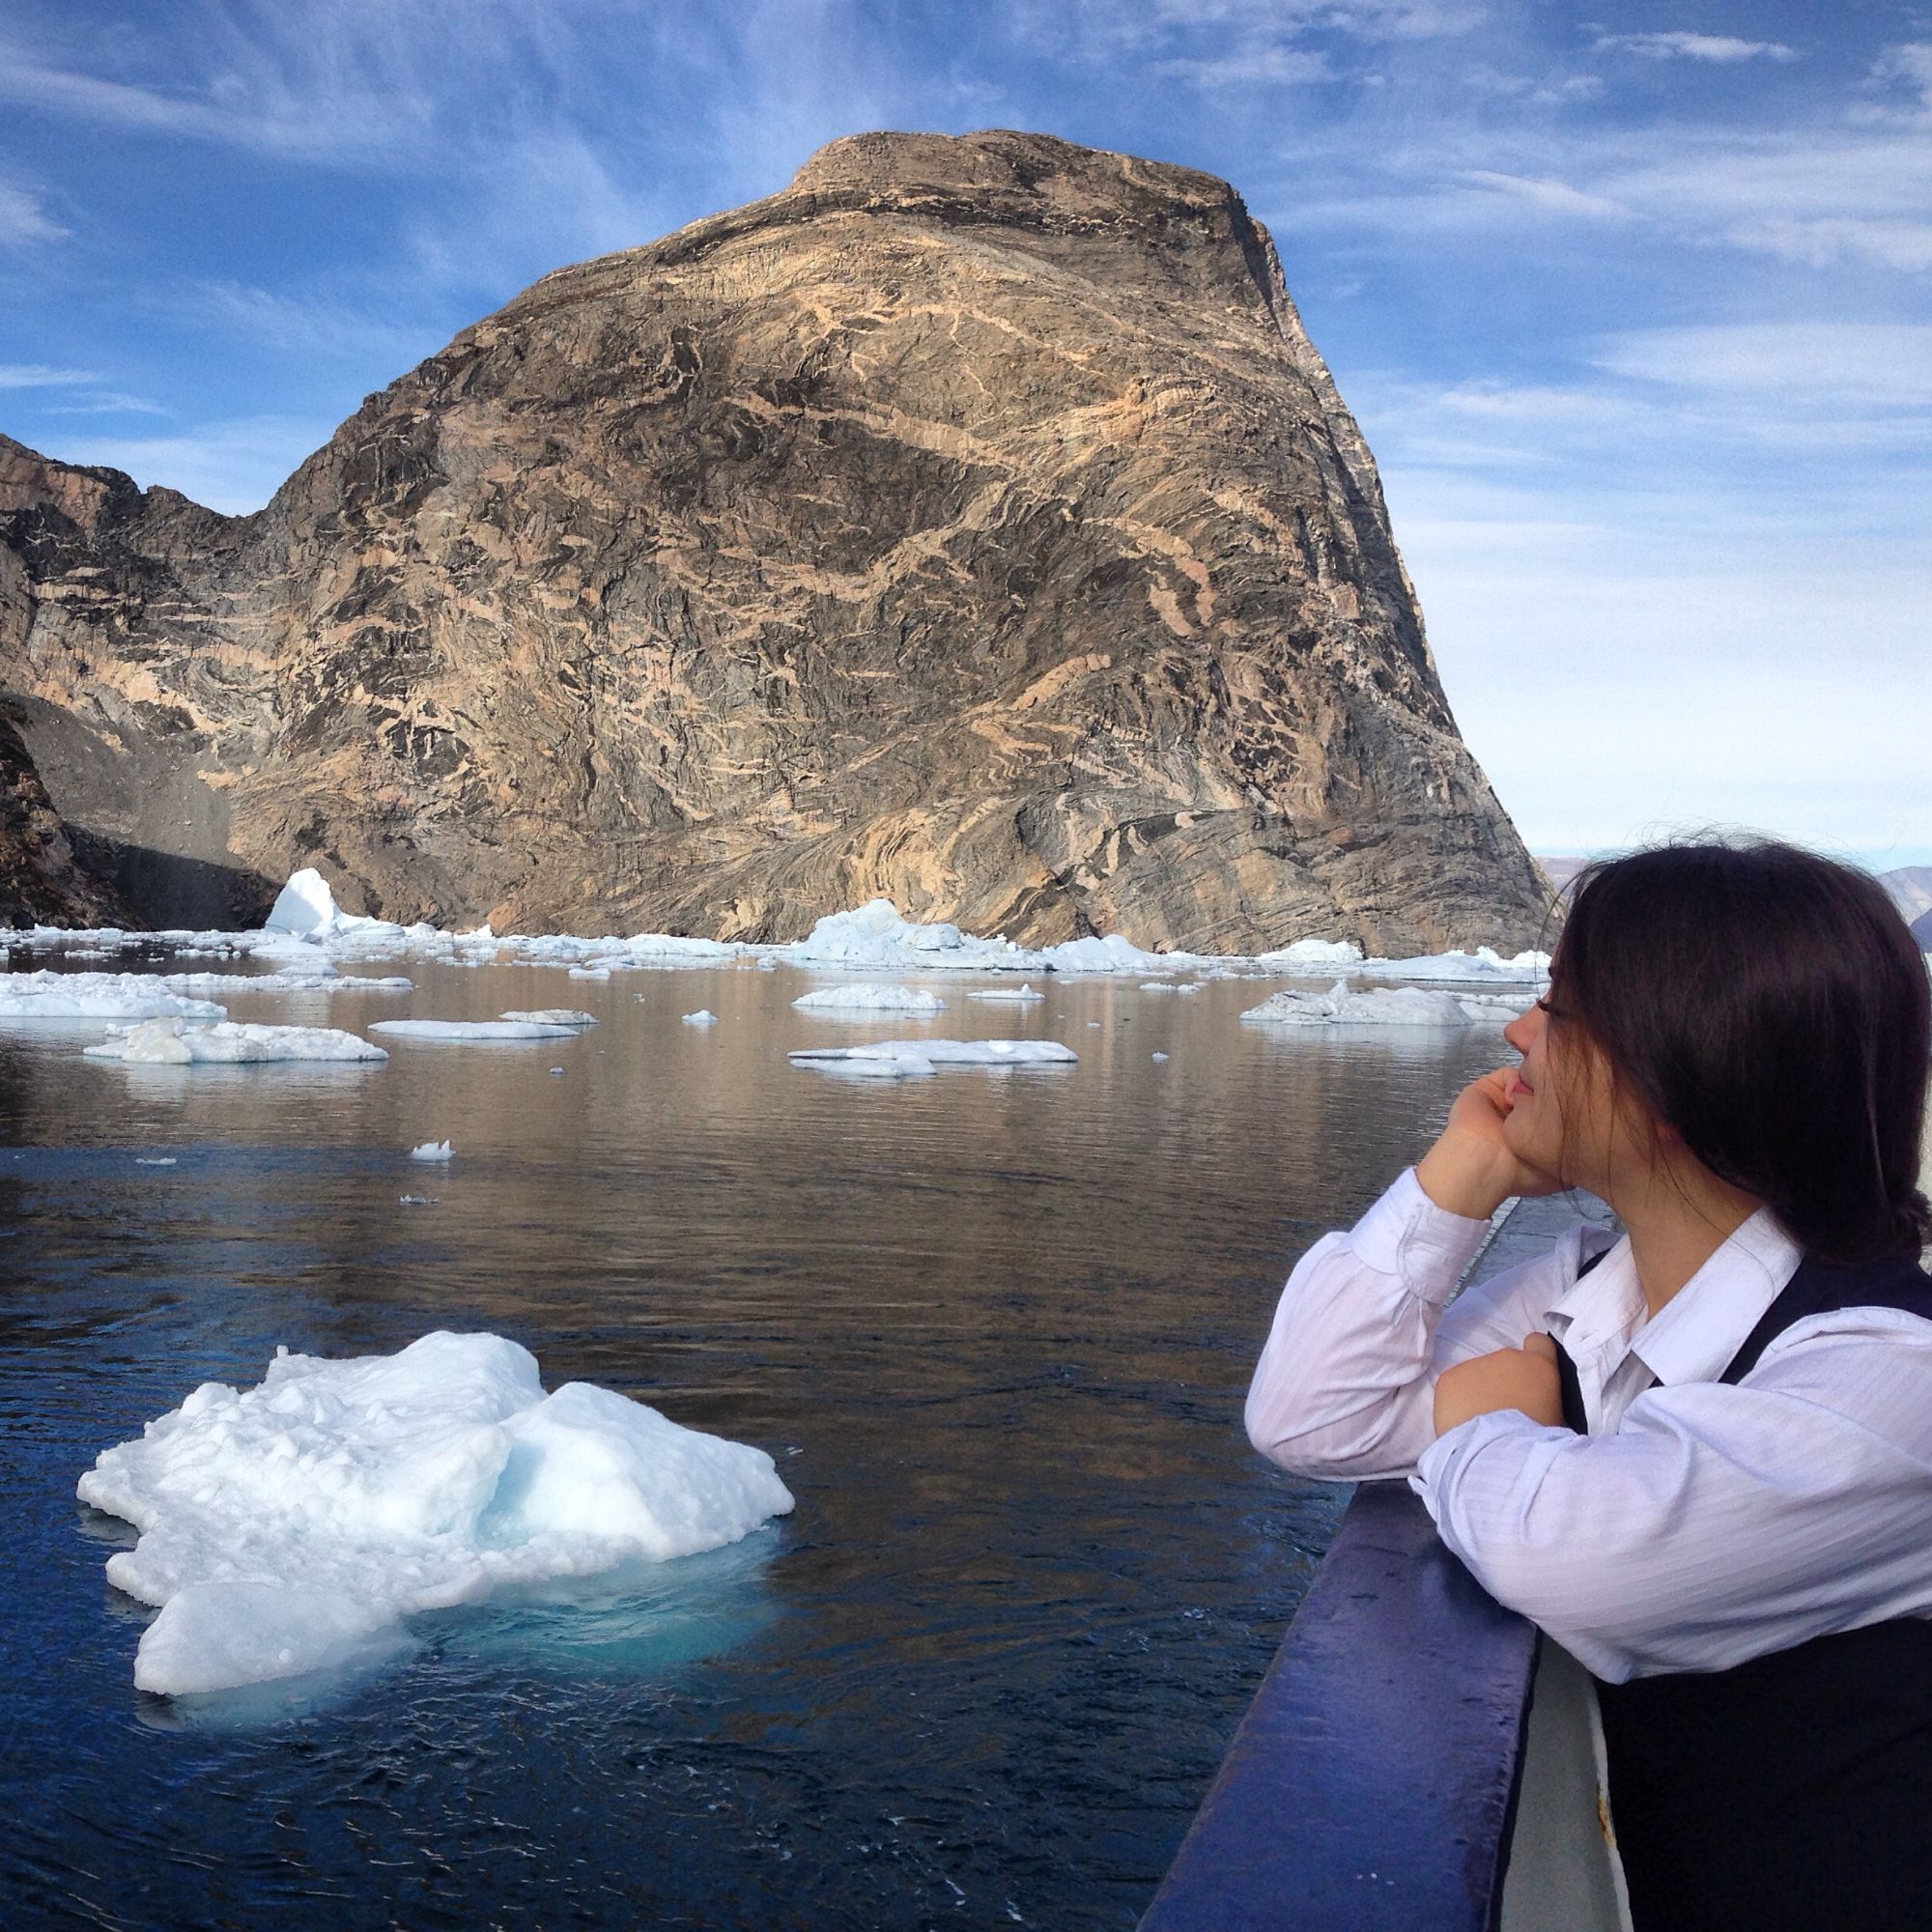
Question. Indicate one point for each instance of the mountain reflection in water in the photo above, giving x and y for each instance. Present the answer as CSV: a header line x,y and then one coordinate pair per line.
x,y
994,1327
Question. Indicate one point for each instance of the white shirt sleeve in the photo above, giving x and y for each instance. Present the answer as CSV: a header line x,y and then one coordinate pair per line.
x,y
1345,1390
1716,1524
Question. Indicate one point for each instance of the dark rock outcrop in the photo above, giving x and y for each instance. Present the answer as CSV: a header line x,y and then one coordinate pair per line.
x,y
972,524
41,882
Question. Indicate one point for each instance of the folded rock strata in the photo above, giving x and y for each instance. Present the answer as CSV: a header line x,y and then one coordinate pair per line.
x,y
972,524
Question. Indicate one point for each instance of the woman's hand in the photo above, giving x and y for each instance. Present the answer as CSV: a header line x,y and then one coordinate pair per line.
x,y
1472,1169
1523,1379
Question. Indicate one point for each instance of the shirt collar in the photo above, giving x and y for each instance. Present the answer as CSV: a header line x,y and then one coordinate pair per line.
x,y
1698,1331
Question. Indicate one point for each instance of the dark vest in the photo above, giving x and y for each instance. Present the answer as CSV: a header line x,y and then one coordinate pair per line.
x,y
1792,1793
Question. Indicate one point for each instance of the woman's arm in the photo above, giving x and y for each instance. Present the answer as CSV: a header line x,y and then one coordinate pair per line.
x,y
1344,1390
1716,1524
1345,1387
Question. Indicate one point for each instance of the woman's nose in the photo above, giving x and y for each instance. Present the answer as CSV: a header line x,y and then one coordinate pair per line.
x,y
1521,1029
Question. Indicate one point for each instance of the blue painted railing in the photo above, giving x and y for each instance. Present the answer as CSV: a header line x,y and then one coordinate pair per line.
x,y
1373,1782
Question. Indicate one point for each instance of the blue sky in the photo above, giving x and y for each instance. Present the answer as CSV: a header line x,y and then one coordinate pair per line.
x,y
1633,301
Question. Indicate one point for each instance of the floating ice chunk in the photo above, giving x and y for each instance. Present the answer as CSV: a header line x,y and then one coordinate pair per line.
x,y
1169,986
870,997
1156,1056
553,1016
1395,1006
414,1200
1022,995
899,1067
1312,956
323,978
459,1031
184,1043
302,906
875,934
702,1017
47,995
942,1053
433,1151
590,971
155,1159
1485,963
286,1529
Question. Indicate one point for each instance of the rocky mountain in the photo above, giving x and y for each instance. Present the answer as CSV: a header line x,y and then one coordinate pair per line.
x,y
972,524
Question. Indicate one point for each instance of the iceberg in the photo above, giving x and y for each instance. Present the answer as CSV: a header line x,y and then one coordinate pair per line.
x,y
433,1151
702,1017
175,1042
926,1054
1385,1005
47,995
291,1527
870,997
460,1032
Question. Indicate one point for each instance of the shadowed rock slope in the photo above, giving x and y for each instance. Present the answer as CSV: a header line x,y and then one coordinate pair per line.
x,y
970,523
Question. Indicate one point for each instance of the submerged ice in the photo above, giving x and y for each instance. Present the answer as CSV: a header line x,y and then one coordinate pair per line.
x,y
290,1527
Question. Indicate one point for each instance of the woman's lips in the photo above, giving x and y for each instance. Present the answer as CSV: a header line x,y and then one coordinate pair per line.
x,y
1522,1086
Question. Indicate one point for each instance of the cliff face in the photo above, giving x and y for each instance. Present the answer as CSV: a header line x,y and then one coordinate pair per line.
x,y
970,523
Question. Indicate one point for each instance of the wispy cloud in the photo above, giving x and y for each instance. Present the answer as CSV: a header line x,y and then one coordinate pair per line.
x,y
1868,367
1547,197
1721,49
110,403
42,376
23,220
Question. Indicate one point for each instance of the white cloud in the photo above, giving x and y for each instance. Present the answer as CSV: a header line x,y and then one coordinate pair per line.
x,y
1261,66
22,218
1722,49
42,376
1867,366
1547,197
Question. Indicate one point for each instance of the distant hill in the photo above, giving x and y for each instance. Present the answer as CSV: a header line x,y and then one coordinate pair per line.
x,y
1911,890
1922,930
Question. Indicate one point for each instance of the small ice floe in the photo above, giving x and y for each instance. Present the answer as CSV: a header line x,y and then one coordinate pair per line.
x,y
1171,987
870,997
458,1033
155,1159
187,1043
47,995
912,1059
416,1199
323,978
556,1073
438,1150
1156,1056
290,1527
1393,1006
702,1017
553,1016
590,971
1021,995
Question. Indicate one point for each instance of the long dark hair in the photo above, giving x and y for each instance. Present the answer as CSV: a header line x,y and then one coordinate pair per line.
x,y
1772,1008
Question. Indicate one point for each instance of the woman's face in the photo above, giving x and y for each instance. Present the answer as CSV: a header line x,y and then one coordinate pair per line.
x,y
1562,1119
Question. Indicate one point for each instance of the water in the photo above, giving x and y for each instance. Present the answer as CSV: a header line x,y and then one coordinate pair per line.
x,y
994,1327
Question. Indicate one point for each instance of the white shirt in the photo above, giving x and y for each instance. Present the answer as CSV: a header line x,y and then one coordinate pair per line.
x,y
1700,1524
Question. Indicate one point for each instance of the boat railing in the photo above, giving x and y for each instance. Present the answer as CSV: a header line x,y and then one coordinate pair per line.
x,y
1390,1773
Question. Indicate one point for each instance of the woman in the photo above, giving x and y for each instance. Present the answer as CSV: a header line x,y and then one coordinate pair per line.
x,y
1698,1456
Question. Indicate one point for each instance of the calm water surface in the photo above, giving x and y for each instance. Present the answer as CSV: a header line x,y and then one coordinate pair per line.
x,y
995,1329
